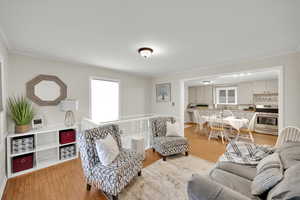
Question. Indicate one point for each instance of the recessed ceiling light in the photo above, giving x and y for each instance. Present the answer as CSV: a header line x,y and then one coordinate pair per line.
x,y
145,52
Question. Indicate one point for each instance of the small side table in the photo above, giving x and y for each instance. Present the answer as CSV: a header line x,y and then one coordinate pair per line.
x,y
137,144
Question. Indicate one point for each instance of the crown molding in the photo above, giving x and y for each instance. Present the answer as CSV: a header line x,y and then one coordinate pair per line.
x,y
5,39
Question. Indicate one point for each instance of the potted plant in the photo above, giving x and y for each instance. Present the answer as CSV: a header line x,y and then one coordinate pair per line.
x,y
21,112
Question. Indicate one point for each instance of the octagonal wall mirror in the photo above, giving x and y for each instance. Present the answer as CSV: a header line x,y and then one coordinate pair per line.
x,y
46,90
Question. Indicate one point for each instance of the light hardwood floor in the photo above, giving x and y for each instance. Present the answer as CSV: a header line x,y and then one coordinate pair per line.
x,y
66,182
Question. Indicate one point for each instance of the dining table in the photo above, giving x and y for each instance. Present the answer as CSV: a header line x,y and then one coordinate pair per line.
x,y
234,122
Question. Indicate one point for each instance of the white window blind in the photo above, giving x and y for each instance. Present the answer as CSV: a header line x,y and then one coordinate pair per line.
x,y
104,100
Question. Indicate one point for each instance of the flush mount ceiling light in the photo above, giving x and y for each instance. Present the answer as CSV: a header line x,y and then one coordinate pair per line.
x,y
206,82
145,52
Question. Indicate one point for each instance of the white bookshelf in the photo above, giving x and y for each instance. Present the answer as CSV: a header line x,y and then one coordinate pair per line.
x,y
46,151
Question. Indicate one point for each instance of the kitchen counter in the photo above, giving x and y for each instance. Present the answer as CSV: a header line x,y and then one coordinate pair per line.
x,y
206,112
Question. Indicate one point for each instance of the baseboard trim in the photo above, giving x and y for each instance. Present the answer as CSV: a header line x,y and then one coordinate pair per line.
x,y
2,186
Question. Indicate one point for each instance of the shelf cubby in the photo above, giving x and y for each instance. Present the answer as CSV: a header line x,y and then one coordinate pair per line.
x,y
46,157
46,140
67,151
22,163
22,145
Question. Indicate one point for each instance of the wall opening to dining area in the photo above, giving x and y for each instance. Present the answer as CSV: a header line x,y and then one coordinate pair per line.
x,y
250,101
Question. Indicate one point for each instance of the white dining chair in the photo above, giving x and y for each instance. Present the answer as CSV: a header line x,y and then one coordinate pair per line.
x,y
250,129
227,113
198,120
217,129
288,134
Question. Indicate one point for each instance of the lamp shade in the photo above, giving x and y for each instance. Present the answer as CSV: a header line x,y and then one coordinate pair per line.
x,y
69,105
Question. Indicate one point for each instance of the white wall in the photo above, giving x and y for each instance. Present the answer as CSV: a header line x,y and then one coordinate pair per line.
x,y
135,90
245,90
3,60
291,83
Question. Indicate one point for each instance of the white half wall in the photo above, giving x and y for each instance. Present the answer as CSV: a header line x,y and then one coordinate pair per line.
x,y
135,90
3,129
291,84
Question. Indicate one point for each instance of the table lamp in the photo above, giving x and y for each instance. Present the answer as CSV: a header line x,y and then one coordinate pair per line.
x,y
68,106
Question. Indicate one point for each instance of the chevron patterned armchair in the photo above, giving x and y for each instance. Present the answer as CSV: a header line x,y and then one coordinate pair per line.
x,y
113,178
164,145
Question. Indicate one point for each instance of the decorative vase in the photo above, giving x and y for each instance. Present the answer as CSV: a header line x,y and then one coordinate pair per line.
x,y
22,128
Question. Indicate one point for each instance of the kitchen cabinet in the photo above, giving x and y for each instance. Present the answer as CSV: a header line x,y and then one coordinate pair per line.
x,y
245,93
201,94
267,86
204,94
192,94
272,86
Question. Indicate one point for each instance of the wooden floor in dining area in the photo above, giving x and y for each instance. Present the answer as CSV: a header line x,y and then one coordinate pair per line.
x,y
66,181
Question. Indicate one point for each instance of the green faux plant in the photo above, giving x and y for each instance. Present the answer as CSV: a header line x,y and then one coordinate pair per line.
x,y
21,110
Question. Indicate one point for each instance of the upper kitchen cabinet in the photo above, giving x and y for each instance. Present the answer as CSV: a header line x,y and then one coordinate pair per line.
x,y
267,86
258,87
204,94
245,93
272,86
201,94
192,95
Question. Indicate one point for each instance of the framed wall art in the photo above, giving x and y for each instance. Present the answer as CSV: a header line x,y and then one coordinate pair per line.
x,y
163,92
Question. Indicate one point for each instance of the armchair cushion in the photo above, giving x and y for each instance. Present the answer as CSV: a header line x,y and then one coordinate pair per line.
x,y
114,177
232,181
288,188
289,153
202,188
170,145
245,171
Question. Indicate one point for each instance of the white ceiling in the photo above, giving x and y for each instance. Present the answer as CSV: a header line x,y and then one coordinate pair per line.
x,y
184,34
235,78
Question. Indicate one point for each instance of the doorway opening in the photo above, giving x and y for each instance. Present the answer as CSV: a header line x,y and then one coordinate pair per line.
x,y
245,94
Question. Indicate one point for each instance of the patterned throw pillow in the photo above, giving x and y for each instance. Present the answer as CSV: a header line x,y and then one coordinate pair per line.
x,y
269,173
107,150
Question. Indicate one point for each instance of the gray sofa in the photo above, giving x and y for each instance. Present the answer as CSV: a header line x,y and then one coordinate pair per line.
x,y
231,181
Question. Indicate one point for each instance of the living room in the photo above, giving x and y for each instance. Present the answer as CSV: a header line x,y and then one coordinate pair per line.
x,y
84,70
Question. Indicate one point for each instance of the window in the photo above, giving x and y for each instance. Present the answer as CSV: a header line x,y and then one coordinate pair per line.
x,y
227,95
104,100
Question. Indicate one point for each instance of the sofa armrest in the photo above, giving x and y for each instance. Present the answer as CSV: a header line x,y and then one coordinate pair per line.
x,y
202,188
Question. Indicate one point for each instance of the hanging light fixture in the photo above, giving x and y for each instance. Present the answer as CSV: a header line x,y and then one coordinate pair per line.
x,y
145,52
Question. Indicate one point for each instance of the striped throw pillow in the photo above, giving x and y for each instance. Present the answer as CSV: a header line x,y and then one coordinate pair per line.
x,y
269,173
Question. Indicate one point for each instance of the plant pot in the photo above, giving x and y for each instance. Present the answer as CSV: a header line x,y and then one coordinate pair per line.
x,y
22,128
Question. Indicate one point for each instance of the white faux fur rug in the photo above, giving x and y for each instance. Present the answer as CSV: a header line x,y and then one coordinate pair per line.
x,y
165,180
